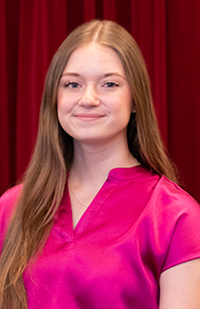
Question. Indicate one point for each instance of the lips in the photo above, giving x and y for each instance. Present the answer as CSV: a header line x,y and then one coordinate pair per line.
x,y
88,117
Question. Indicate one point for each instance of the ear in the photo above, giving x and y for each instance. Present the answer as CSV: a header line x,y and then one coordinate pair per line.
x,y
133,109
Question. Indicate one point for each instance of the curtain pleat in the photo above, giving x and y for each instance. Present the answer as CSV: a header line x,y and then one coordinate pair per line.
x,y
109,9
42,29
168,33
149,30
183,53
4,134
89,10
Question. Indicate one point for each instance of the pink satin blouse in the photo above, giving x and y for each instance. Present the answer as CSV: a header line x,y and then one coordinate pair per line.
x,y
137,226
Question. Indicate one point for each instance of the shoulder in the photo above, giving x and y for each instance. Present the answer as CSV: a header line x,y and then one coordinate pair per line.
x,y
10,196
172,206
170,195
174,218
8,201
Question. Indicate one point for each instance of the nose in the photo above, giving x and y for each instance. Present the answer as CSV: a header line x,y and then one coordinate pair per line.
x,y
89,97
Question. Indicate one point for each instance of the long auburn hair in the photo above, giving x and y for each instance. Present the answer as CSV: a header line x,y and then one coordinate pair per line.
x,y
45,178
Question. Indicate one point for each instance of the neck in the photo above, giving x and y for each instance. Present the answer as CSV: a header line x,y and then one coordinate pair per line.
x,y
92,163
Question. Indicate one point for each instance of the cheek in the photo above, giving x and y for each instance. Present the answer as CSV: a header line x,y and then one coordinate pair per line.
x,y
122,116
61,112
125,105
63,108
63,120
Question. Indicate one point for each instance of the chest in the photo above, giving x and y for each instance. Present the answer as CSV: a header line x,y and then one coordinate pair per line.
x,y
98,263
100,267
80,199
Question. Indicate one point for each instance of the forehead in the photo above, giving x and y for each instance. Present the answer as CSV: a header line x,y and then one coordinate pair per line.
x,y
94,56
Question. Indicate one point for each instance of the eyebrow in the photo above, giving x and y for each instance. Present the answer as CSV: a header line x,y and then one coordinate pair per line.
x,y
114,73
105,75
70,74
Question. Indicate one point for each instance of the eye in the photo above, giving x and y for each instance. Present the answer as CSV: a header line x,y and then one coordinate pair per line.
x,y
72,85
111,84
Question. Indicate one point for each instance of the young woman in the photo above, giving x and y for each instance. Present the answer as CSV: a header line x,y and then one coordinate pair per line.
x,y
99,221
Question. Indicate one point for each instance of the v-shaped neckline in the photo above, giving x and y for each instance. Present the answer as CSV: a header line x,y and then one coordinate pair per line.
x,y
65,211
92,209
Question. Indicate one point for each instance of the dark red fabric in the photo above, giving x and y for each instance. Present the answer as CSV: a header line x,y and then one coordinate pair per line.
x,y
183,60
4,133
89,9
168,33
42,28
149,29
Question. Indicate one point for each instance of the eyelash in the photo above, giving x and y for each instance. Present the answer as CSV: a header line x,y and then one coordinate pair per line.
x,y
72,83
111,83
107,84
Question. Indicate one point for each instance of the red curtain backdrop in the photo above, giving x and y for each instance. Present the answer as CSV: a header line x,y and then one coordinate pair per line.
x,y
168,33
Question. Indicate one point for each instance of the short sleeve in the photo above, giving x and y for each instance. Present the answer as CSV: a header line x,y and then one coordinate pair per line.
x,y
169,228
177,222
185,239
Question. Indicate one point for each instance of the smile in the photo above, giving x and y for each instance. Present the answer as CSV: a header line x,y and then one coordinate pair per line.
x,y
89,117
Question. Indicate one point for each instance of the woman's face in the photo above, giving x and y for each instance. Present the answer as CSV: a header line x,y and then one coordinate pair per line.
x,y
94,99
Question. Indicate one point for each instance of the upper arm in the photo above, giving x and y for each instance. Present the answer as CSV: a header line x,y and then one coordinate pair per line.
x,y
180,286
